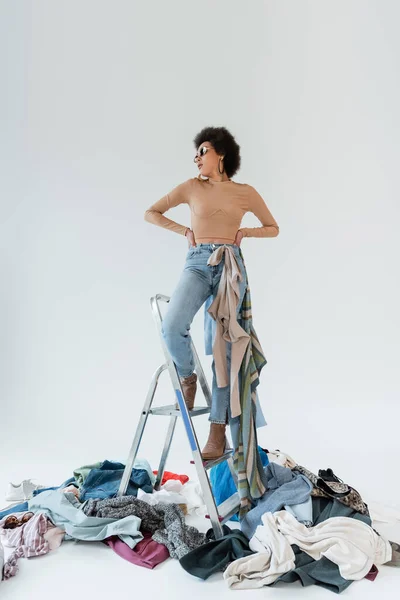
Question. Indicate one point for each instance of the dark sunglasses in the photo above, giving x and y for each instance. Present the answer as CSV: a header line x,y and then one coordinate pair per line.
x,y
203,150
12,521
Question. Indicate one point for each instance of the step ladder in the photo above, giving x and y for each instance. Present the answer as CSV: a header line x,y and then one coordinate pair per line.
x,y
217,514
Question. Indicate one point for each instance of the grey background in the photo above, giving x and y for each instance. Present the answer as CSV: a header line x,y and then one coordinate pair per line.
x,y
99,104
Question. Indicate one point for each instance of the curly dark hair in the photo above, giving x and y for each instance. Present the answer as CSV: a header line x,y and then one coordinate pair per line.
x,y
224,143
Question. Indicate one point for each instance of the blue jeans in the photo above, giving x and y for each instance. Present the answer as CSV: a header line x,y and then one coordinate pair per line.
x,y
198,282
104,481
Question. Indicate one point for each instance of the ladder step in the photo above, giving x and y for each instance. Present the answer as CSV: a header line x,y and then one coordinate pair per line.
x,y
208,464
228,508
169,410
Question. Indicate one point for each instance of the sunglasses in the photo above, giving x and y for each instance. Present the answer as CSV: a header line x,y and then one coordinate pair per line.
x,y
203,150
12,521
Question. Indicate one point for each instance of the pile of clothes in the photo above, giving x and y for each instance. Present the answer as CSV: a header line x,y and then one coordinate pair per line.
x,y
145,526
308,527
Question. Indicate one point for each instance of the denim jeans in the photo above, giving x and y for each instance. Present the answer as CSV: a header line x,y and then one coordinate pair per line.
x,y
104,482
198,282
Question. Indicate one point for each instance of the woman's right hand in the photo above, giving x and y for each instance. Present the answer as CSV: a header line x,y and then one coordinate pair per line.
x,y
190,238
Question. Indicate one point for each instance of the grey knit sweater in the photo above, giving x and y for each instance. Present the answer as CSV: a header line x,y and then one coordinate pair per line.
x,y
165,521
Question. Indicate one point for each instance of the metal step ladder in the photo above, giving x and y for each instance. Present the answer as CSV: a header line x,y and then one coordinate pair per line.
x,y
217,514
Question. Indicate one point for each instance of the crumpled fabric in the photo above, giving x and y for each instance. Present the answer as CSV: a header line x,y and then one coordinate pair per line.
x,y
224,310
124,506
27,539
175,492
165,521
161,496
349,543
169,476
285,487
147,553
65,511
281,458
215,555
178,537
273,557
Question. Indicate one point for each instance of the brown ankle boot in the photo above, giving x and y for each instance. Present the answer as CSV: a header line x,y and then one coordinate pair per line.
x,y
189,387
215,445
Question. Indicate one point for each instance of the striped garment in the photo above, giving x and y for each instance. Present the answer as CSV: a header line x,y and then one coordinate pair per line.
x,y
27,539
246,460
247,360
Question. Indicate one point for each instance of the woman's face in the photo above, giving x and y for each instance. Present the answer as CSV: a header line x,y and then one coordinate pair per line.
x,y
206,159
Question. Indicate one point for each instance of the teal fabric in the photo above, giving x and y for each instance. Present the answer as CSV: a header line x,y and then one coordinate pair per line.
x,y
64,510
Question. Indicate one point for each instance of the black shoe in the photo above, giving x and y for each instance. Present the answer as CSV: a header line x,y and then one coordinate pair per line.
x,y
329,475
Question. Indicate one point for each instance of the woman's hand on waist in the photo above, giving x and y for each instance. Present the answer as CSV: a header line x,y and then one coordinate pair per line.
x,y
190,238
238,238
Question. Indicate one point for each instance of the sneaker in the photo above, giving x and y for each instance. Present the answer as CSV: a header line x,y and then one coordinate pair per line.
x,y
21,492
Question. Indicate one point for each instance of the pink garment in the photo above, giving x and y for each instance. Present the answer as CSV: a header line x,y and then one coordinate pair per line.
x,y
147,553
28,540
54,535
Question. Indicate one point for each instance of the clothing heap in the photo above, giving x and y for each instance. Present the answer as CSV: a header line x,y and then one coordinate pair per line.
x,y
307,527
145,526
311,528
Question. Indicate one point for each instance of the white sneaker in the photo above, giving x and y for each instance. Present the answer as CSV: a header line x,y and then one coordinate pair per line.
x,y
22,491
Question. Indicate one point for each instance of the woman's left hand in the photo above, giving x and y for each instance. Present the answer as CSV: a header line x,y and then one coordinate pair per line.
x,y
238,238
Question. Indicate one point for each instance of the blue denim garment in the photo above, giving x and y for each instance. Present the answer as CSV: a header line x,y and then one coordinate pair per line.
x,y
199,284
104,482
284,487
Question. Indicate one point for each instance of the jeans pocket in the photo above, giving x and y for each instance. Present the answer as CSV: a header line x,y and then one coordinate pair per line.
x,y
192,251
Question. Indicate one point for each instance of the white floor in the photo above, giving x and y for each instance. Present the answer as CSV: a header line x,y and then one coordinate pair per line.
x,y
82,569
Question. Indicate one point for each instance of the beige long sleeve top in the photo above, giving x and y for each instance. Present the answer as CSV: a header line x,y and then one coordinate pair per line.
x,y
217,209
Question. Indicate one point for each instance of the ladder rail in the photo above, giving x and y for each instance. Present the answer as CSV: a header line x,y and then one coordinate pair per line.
x,y
193,442
139,431
201,466
165,452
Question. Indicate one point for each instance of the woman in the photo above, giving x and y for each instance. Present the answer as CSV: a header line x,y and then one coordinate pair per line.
x,y
217,205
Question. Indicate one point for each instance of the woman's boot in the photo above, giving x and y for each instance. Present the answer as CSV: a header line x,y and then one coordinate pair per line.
x,y
189,387
215,445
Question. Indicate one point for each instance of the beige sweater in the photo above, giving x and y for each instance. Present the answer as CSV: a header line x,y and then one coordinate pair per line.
x,y
217,209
